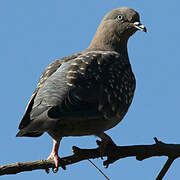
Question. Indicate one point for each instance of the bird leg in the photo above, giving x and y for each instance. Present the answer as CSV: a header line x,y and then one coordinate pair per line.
x,y
54,156
105,143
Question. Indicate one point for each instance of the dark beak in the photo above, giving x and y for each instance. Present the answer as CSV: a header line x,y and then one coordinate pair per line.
x,y
139,26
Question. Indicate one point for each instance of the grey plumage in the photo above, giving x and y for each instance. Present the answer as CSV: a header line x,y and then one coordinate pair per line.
x,y
89,92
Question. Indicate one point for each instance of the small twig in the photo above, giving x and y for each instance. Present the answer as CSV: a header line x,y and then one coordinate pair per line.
x,y
98,169
165,168
157,141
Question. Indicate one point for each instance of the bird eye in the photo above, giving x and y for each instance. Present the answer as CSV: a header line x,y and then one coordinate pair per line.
x,y
120,17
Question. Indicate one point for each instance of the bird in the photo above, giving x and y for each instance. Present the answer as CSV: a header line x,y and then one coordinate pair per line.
x,y
89,92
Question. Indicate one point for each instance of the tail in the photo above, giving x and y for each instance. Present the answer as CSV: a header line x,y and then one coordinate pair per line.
x,y
23,132
24,129
36,127
39,123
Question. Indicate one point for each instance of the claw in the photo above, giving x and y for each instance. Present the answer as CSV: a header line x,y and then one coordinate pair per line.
x,y
47,170
101,148
104,145
53,156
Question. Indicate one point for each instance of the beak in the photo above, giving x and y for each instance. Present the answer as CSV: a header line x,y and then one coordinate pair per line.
x,y
139,26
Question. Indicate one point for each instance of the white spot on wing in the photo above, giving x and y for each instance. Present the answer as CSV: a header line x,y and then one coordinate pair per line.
x,y
74,64
69,84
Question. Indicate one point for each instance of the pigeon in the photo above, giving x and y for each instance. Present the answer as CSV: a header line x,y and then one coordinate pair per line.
x,y
88,92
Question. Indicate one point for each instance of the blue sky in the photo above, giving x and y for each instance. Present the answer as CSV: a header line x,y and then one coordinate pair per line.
x,y
34,33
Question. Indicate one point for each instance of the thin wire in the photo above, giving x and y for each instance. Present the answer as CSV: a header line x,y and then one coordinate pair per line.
x,y
98,169
165,168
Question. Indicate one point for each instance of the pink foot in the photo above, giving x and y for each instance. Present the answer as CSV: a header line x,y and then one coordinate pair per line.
x,y
54,156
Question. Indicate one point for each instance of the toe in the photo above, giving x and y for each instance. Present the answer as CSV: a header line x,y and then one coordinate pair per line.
x,y
56,160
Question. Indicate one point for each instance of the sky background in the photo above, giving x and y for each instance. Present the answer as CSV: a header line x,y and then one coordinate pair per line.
x,y
34,33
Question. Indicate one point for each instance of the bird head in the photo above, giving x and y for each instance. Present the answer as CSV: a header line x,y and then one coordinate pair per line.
x,y
123,21
116,28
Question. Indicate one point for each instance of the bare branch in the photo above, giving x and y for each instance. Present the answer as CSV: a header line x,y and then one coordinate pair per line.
x,y
114,153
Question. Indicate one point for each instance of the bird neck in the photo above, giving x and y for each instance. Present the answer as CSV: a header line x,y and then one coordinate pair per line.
x,y
109,41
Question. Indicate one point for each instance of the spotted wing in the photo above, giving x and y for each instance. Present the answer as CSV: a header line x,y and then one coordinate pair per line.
x,y
105,79
72,92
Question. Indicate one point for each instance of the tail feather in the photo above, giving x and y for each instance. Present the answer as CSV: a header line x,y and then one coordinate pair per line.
x,y
36,126
28,134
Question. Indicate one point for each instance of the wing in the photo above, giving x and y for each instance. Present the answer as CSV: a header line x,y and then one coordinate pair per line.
x,y
69,91
46,74
94,85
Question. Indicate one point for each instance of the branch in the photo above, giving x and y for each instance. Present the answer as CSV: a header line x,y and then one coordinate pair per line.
x,y
114,153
